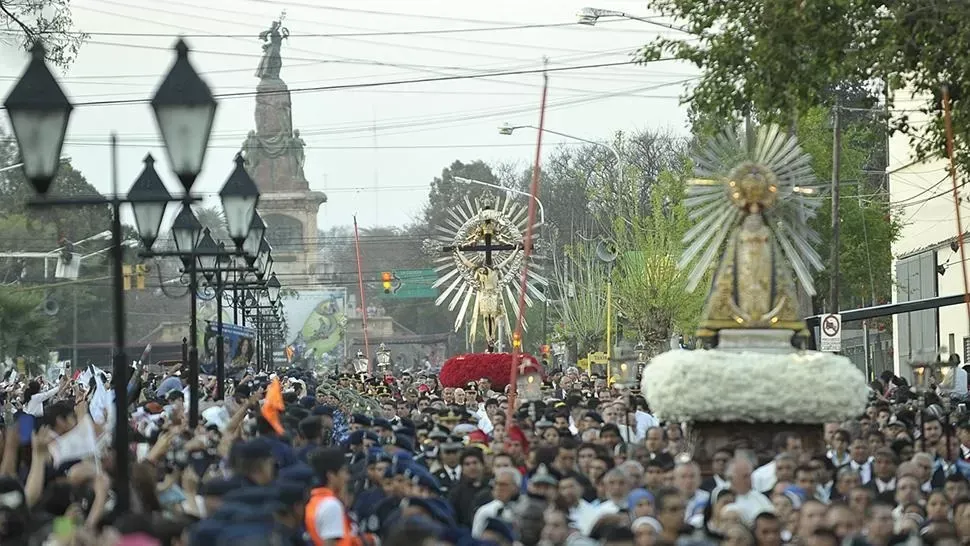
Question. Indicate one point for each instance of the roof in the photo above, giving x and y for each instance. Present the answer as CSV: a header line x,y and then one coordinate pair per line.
x,y
934,246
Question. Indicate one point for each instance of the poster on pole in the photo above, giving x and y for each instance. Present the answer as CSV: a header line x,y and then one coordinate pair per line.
x,y
830,330
238,347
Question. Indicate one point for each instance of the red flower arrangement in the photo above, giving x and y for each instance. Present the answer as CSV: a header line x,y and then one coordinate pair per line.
x,y
459,370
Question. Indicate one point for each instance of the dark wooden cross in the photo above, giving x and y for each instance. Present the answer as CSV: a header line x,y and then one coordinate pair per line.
x,y
487,247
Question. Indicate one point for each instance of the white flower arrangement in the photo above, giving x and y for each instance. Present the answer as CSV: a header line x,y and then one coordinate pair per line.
x,y
711,385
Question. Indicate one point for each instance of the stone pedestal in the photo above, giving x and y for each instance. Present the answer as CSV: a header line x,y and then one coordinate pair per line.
x,y
708,437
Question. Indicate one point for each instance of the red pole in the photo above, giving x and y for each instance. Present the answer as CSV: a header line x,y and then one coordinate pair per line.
x,y
527,251
951,152
363,300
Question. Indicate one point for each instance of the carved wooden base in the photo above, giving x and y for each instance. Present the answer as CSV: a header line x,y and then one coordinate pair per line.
x,y
708,437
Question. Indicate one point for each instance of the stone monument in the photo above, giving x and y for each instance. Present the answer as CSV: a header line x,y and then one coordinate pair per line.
x,y
754,378
275,156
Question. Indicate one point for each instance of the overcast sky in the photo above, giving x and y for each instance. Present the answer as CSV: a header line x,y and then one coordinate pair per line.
x,y
372,150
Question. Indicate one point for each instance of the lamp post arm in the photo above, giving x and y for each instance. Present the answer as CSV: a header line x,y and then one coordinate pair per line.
x,y
612,149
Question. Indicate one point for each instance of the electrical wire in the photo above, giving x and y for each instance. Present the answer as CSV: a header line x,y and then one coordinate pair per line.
x,y
305,35
368,84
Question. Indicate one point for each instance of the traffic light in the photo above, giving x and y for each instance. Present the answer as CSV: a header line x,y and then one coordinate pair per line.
x,y
140,271
386,278
126,277
516,340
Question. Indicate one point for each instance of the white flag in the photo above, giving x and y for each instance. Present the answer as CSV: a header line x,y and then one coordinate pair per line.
x,y
79,443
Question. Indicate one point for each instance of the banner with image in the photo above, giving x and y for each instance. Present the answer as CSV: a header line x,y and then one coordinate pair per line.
x,y
238,343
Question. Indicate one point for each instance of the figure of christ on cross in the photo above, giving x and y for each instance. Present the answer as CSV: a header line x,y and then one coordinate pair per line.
x,y
488,296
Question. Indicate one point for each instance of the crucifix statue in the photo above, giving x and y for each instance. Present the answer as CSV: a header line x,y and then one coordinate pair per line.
x,y
483,254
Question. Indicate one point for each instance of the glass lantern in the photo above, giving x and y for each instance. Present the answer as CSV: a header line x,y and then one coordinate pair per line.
x,y
384,359
922,372
641,362
360,362
529,383
627,374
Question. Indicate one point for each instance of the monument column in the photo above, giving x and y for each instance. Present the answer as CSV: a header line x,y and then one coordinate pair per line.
x,y
275,155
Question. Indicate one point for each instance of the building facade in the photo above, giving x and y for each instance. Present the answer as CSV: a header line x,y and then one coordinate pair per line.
x,y
926,258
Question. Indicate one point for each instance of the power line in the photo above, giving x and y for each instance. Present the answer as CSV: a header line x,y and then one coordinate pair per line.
x,y
305,35
242,94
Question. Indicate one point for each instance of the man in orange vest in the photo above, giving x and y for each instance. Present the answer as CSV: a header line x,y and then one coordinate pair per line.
x,y
326,516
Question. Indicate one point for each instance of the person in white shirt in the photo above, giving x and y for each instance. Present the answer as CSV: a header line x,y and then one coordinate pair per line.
x,y
617,486
859,451
571,496
35,398
749,502
687,479
763,479
505,487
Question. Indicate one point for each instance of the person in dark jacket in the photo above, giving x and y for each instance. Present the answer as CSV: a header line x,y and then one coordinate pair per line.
x,y
463,495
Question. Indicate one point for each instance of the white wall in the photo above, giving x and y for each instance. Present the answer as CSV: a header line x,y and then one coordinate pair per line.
x,y
921,198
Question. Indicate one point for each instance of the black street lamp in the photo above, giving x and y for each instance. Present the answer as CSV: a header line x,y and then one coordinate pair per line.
x,y
149,198
273,288
239,199
187,231
39,111
184,111
257,229
207,253
264,259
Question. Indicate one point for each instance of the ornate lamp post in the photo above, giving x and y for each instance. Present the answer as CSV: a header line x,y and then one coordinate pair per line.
x,y
383,359
927,376
184,108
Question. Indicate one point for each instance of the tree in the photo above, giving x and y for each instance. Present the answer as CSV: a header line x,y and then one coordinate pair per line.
x,y
446,192
867,226
581,312
214,219
24,330
50,21
650,290
780,59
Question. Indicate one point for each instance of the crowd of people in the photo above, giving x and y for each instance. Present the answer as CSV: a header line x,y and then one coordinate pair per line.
x,y
291,458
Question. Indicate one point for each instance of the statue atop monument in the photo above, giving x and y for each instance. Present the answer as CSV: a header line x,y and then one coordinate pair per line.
x,y
272,61
274,151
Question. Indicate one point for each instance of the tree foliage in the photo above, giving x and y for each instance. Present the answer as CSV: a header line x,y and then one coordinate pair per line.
x,y
580,313
780,59
867,226
50,21
651,292
24,329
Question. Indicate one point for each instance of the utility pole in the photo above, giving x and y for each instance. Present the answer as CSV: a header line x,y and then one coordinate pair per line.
x,y
836,167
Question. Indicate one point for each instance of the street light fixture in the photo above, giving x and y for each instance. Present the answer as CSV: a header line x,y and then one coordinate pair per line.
x,y
149,197
39,112
264,259
507,129
207,253
589,16
239,198
257,229
383,359
273,288
184,110
186,230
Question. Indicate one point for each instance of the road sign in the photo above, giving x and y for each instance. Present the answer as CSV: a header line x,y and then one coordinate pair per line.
x,y
830,329
414,284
